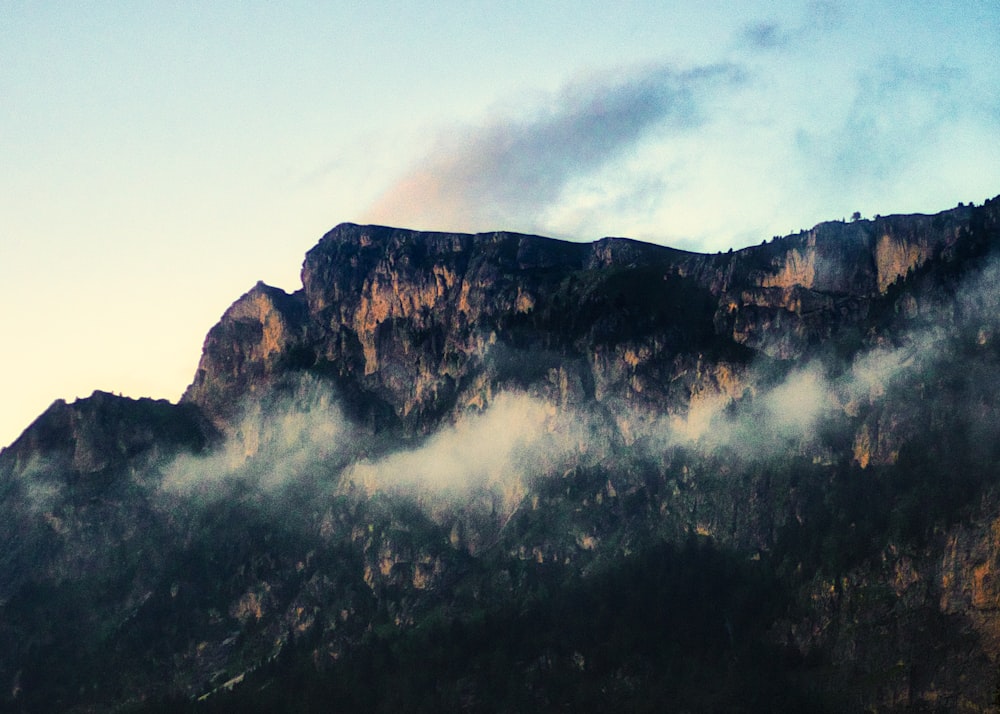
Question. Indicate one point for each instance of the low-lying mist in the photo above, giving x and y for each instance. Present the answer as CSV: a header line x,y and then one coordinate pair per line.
x,y
790,408
278,441
516,438
301,439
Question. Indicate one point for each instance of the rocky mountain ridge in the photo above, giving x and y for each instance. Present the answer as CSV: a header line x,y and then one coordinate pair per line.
x,y
441,427
444,299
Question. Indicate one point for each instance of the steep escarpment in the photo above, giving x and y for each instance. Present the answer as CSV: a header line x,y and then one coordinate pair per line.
x,y
500,472
426,324
416,326
786,295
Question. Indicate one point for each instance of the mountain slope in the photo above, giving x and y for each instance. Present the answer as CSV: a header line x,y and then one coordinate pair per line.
x,y
504,472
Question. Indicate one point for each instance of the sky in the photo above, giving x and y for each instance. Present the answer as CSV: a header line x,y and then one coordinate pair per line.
x,y
158,159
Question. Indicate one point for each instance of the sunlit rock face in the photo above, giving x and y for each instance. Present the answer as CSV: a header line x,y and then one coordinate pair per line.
x,y
444,430
259,336
431,324
428,324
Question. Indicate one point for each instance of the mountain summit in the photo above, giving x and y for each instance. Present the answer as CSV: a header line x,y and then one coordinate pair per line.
x,y
501,472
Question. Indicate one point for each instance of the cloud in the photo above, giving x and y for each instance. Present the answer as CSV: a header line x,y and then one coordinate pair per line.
x,y
289,438
513,168
791,410
799,28
765,36
499,451
771,416
898,116
491,459
302,440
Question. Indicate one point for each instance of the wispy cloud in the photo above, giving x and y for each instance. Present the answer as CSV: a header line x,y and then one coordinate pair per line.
x,y
897,116
278,441
769,419
765,35
493,457
507,171
793,29
793,409
496,453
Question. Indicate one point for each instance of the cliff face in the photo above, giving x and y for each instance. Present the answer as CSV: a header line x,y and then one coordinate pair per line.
x,y
425,325
414,320
440,429
257,338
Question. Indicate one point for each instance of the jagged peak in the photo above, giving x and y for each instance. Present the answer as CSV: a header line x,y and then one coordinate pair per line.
x,y
260,300
360,279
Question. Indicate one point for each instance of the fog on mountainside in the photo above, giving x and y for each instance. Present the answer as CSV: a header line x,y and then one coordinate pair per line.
x,y
503,473
517,436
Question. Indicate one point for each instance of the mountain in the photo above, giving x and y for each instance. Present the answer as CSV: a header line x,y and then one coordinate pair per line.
x,y
501,472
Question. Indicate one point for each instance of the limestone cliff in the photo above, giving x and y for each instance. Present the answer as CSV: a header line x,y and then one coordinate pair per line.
x,y
258,337
424,323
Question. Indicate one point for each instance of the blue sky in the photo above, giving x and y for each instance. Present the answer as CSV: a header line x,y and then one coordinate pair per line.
x,y
157,159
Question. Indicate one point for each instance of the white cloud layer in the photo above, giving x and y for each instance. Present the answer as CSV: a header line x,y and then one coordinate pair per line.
x,y
279,441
